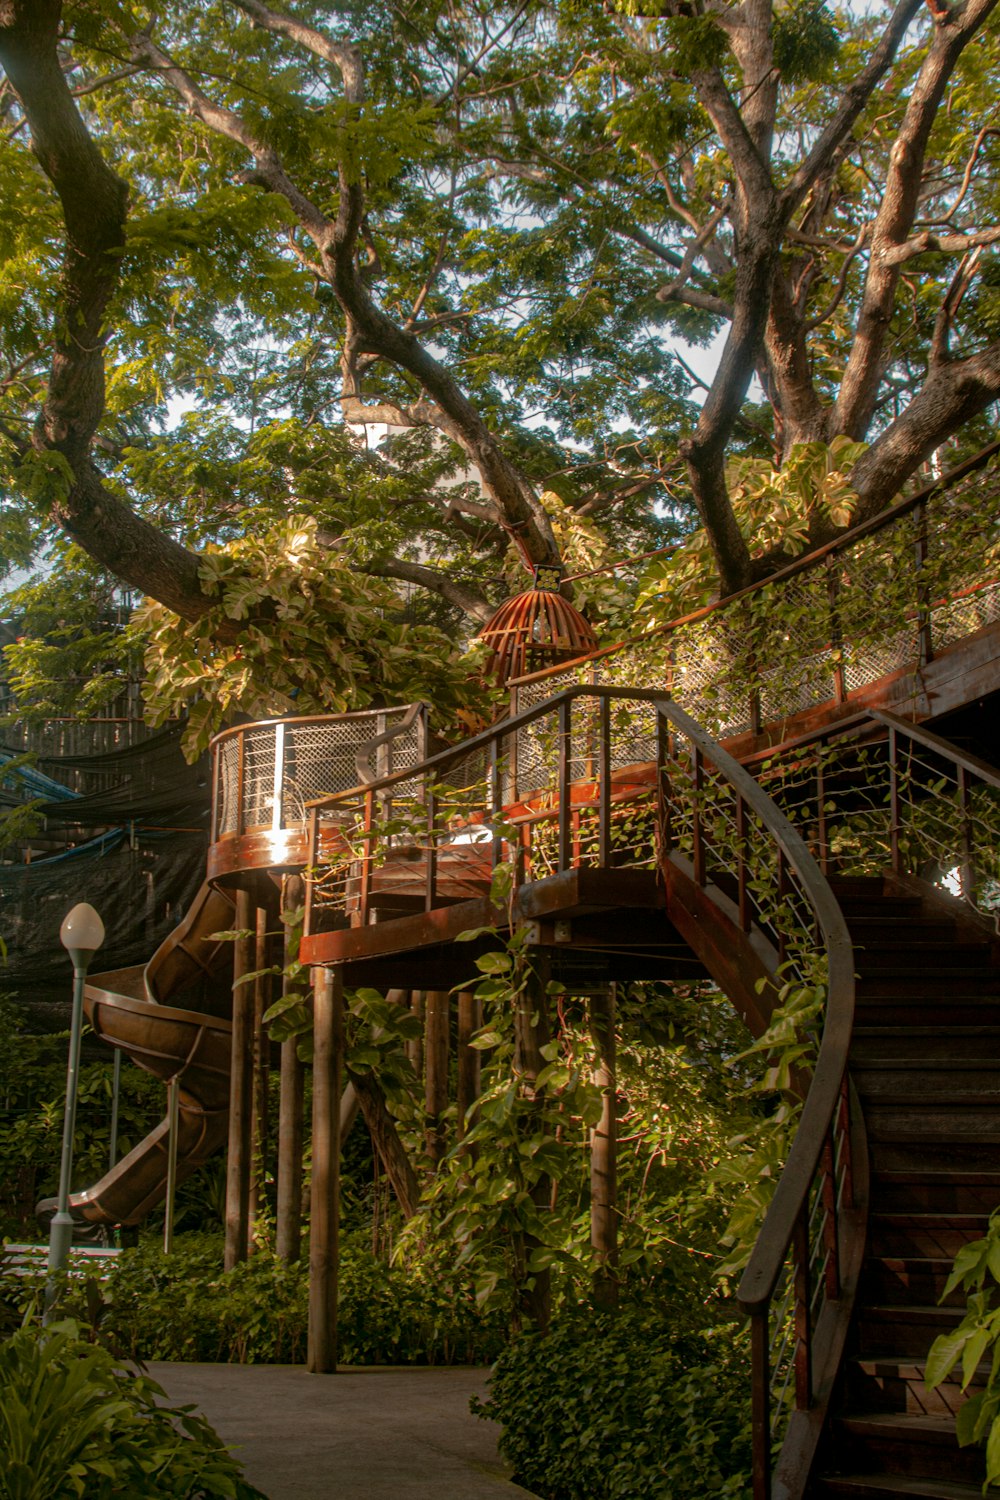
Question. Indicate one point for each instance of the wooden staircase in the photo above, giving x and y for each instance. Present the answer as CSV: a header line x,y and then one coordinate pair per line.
x,y
925,1060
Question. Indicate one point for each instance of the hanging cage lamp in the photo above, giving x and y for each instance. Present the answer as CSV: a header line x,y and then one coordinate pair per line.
x,y
534,630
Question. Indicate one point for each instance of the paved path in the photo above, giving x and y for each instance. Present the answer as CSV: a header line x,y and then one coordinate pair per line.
x,y
362,1434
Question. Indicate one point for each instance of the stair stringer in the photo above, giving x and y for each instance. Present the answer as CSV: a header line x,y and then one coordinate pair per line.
x,y
743,965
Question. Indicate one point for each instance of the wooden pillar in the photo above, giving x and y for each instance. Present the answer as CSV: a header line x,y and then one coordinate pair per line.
x,y
469,1057
603,1154
437,1019
240,1155
261,1072
288,1229
415,1049
328,1054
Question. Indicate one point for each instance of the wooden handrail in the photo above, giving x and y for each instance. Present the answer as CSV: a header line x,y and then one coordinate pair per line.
x,y
768,1257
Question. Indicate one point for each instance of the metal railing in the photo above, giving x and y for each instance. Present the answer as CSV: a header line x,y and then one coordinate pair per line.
x,y
885,597
878,793
610,777
264,774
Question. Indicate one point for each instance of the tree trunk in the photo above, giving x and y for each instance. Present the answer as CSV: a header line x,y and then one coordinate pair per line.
x,y
385,1139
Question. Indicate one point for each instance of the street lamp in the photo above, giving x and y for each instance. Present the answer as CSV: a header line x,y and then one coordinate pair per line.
x,y
81,934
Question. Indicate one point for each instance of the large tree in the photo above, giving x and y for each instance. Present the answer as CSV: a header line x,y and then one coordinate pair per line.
x,y
485,227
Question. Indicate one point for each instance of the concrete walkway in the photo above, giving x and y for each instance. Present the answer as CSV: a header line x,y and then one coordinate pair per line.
x,y
362,1434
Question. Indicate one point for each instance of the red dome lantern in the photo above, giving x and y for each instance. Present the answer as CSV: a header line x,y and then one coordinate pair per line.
x,y
535,630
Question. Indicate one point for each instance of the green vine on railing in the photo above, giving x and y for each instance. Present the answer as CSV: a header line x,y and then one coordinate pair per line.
x,y
975,1341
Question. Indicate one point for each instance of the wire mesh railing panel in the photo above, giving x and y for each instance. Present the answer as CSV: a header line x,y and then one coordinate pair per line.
x,y
228,788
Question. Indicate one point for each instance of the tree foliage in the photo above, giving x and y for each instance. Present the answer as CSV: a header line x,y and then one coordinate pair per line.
x,y
488,228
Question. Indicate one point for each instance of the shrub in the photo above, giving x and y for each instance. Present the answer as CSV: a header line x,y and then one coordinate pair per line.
x,y
621,1405
184,1307
74,1423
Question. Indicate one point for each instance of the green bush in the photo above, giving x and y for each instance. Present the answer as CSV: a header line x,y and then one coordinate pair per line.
x,y
185,1307
622,1405
73,1423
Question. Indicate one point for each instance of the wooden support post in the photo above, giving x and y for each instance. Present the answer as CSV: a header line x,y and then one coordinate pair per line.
x,y
604,1154
328,1056
289,1208
470,1019
240,1155
261,1072
415,1049
436,1049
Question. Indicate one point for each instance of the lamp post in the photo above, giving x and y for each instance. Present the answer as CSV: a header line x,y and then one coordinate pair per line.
x,y
81,934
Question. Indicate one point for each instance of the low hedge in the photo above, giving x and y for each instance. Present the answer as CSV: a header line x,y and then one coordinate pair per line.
x,y
621,1405
185,1307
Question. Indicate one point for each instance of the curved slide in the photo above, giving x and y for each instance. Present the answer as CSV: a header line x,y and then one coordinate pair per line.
x,y
130,1009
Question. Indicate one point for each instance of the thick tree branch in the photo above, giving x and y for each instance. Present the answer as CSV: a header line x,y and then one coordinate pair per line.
x,y
436,582
859,388
945,244
853,101
94,206
955,392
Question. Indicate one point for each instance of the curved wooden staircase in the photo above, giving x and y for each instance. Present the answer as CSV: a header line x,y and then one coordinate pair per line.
x,y
637,844
639,847
925,1060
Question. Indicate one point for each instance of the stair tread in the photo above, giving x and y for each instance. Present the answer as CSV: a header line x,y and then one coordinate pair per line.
x,y
924,1064
877,1485
921,1218
936,1176
911,1424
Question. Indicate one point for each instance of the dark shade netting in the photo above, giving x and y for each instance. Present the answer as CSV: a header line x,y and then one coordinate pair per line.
x,y
149,782
140,892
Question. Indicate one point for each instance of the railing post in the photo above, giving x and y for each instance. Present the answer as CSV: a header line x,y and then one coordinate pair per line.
x,y
925,641
741,868
895,805
760,1409
663,784
836,635
496,800
783,891
831,1233
565,789
240,822
803,1331
430,895
696,829
367,856
822,841
604,785
968,872
844,1125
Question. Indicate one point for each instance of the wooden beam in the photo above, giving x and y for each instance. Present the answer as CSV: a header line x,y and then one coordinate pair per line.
x,y
324,1230
240,1153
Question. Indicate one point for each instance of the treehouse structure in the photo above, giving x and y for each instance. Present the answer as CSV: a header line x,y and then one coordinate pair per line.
x,y
791,786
